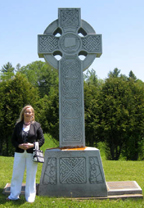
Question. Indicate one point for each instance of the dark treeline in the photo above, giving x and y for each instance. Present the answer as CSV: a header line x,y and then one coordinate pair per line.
x,y
114,107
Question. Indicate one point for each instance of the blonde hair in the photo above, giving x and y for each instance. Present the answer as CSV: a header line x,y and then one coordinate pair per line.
x,y
21,117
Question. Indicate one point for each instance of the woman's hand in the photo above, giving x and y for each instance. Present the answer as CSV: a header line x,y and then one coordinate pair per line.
x,y
26,146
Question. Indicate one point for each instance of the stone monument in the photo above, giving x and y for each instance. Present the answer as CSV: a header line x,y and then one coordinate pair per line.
x,y
72,170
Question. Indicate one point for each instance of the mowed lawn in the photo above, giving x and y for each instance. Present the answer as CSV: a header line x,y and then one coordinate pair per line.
x,y
114,171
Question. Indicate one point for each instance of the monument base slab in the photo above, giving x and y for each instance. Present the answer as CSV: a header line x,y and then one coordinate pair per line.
x,y
114,192
74,172
123,187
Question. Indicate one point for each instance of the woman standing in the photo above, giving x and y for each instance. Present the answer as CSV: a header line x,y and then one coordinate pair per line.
x,y
27,131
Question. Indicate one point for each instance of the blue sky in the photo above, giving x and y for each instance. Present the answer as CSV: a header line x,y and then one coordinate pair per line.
x,y
121,23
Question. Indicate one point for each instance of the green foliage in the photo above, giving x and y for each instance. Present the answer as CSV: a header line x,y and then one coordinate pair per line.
x,y
92,88
135,130
50,142
132,76
42,76
122,117
48,113
114,74
91,114
114,112
15,93
7,72
45,79
7,68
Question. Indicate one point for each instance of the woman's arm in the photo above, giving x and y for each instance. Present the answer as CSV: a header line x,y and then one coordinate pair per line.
x,y
40,136
14,138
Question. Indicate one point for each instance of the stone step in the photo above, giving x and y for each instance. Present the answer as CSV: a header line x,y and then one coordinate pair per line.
x,y
116,190
8,185
123,187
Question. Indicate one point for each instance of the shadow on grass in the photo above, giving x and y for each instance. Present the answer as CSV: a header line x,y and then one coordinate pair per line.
x,y
16,203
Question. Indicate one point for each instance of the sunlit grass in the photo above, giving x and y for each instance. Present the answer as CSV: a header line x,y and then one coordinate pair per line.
x,y
114,171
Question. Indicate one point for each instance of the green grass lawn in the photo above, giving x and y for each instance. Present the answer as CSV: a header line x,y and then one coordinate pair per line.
x,y
114,171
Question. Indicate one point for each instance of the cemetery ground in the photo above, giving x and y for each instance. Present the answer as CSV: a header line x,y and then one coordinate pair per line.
x,y
114,171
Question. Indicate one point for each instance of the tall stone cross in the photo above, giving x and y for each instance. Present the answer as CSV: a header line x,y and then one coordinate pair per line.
x,y
76,38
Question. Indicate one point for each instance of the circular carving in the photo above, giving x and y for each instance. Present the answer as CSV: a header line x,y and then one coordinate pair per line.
x,y
70,43
49,57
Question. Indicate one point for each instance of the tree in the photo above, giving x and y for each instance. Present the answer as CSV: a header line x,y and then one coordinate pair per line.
x,y
135,131
121,117
7,72
15,93
7,68
42,76
91,114
115,73
18,66
91,77
48,113
132,76
92,88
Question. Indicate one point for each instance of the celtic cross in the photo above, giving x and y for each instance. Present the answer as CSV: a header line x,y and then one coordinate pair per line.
x,y
70,45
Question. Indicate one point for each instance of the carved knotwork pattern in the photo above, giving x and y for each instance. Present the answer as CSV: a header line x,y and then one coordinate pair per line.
x,y
95,171
72,130
71,88
48,44
50,175
91,43
71,108
71,100
71,68
73,170
69,18
69,45
71,78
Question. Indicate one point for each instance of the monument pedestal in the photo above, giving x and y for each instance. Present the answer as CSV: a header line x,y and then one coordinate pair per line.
x,y
76,172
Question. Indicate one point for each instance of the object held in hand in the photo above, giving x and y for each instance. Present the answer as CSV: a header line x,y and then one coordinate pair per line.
x,y
38,154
